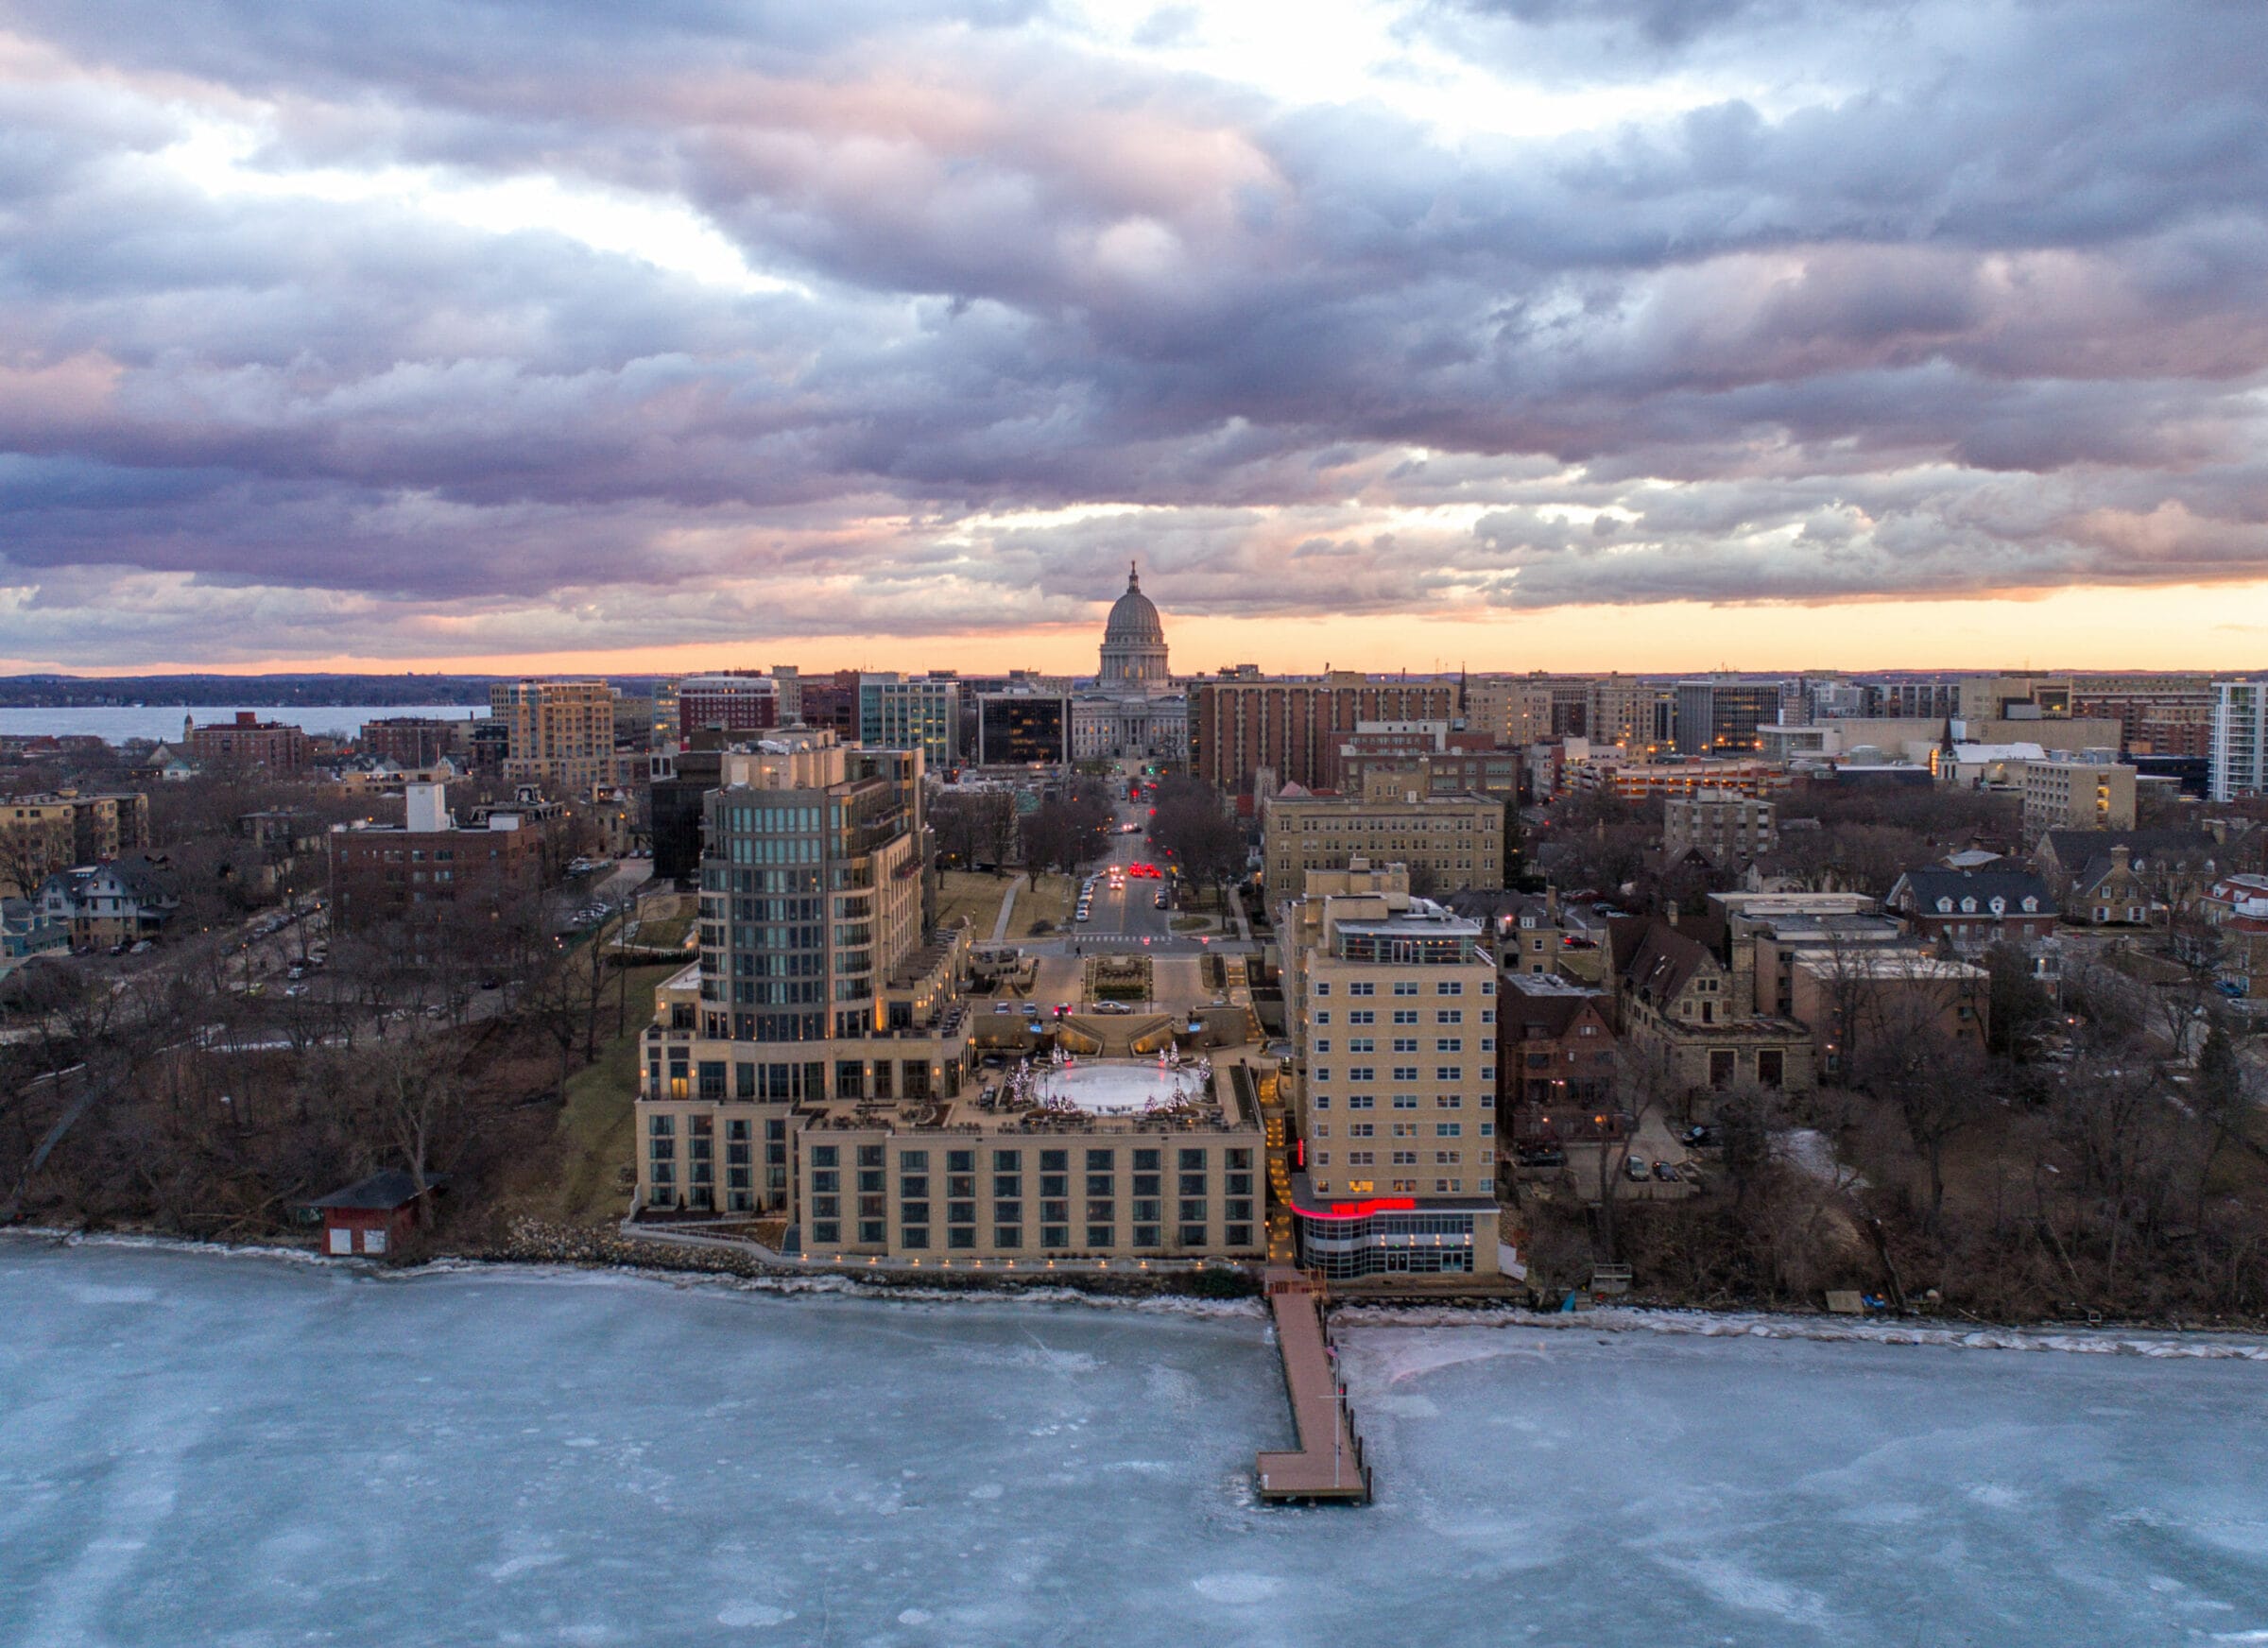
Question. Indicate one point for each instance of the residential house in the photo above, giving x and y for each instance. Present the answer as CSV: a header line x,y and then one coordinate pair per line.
x,y
109,905
2169,869
1680,1009
1555,1065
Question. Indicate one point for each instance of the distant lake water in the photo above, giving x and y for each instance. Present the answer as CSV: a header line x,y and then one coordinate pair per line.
x,y
117,723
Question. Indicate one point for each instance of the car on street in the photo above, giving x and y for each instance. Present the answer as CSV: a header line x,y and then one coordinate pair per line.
x,y
1003,1006
1158,903
1112,1007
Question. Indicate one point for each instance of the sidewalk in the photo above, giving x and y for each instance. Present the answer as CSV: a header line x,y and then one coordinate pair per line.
x,y
1008,907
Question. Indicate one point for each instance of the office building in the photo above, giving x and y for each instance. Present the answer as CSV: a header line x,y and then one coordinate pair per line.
x,y
1023,729
2064,794
921,713
1720,716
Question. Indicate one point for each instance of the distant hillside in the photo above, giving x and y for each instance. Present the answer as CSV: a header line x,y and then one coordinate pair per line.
x,y
52,691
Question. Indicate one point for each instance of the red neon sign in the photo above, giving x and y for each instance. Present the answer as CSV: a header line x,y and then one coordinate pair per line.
x,y
1357,1209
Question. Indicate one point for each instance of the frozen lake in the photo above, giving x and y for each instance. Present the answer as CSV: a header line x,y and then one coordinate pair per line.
x,y
117,723
204,1449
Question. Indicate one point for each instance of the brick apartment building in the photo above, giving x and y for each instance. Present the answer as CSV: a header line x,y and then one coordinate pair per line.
x,y
426,868
246,742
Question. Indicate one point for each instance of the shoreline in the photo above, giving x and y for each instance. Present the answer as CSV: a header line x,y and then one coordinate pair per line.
x,y
2152,1341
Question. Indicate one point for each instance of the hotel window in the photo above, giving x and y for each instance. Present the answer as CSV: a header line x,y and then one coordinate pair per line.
x,y
1147,1236
1361,1158
1320,1044
1405,1015
1446,1158
825,1232
1405,1158
1362,1015
1406,1043
1455,987
914,1236
1408,1073
1449,1129
1362,1045
871,1232
961,1236
1449,1044
1192,1236
1362,1129
1101,1236
1362,1101
1362,1072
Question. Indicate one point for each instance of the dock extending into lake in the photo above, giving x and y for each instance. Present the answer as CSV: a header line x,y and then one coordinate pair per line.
x,y
1328,1464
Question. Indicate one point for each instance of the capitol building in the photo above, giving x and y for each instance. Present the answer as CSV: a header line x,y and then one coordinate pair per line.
x,y
1133,709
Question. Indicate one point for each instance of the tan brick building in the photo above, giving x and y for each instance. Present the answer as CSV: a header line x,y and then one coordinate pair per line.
x,y
559,733
1458,840
1392,1002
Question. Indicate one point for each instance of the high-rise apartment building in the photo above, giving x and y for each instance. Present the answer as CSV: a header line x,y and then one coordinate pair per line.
x,y
1294,727
2240,744
810,894
559,733
1393,1000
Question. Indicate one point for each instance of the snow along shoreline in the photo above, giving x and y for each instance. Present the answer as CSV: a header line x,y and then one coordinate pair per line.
x,y
2202,1344
568,1272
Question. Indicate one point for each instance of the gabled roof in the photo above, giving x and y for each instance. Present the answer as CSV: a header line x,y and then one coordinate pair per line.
x,y
381,1192
2076,848
1553,1011
1924,887
2095,872
1665,961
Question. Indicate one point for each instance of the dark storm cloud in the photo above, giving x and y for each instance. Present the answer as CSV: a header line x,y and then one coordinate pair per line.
x,y
1934,298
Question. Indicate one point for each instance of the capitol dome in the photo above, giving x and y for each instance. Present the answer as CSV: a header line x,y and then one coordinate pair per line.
x,y
1133,660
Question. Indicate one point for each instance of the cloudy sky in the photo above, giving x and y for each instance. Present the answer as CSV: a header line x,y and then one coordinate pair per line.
x,y
1648,333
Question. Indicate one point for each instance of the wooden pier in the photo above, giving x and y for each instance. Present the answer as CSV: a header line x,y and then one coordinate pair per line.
x,y
1328,1464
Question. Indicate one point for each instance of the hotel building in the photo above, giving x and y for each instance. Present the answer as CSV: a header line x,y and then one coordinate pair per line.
x,y
1394,1003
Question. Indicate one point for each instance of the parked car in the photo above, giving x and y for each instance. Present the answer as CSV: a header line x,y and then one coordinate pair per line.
x,y
1666,1172
1635,1168
1702,1137
1543,1156
1003,1006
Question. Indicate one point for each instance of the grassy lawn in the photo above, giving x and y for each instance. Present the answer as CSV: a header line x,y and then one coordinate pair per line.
x,y
1048,899
962,892
597,1134
1191,923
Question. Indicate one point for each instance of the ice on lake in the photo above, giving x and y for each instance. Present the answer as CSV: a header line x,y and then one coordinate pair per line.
x,y
205,1449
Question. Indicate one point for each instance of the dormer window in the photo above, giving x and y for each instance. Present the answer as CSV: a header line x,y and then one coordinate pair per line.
x,y
1944,906
1968,906
2031,905
2000,905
